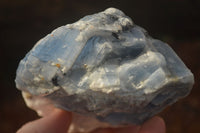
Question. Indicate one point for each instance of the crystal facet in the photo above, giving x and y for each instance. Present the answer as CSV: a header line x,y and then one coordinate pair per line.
x,y
106,67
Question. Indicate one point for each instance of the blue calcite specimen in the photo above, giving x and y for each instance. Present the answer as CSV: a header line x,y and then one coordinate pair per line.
x,y
107,67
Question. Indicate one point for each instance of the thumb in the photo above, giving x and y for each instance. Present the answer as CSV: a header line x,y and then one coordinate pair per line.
x,y
154,125
57,122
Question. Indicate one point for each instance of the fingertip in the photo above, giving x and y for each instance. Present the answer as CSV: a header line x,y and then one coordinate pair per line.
x,y
61,118
161,121
154,125
57,121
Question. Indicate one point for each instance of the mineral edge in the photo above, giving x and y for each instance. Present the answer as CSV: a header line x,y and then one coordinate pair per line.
x,y
106,67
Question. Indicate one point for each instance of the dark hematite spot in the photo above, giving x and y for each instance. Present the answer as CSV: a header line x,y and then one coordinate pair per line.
x,y
127,27
113,18
54,80
115,35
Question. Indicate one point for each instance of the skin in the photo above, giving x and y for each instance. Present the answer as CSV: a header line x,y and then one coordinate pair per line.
x,y
59,121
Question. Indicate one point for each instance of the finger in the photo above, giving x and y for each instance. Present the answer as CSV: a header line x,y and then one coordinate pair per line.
x,y
57,122
129,129
154,125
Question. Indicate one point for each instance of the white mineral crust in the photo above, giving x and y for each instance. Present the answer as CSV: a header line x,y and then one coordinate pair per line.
x,y
105,68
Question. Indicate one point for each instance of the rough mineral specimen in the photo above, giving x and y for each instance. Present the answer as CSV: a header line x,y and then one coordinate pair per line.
x,y
106,67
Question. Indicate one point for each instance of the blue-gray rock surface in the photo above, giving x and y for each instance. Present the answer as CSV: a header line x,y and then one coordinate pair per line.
x,y
105,66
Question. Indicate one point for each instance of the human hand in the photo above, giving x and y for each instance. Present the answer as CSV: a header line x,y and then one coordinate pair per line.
x,y
59,121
